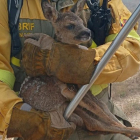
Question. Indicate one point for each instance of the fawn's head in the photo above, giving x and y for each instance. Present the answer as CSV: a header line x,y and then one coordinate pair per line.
x,y
68,26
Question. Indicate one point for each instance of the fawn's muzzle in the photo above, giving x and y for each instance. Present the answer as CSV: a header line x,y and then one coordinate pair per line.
x,y
84,35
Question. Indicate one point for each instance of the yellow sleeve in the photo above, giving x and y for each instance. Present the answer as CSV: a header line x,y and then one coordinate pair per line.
x,y
7,96
126,60
123,64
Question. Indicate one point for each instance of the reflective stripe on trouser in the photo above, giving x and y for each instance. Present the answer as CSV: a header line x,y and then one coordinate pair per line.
x,y
80,134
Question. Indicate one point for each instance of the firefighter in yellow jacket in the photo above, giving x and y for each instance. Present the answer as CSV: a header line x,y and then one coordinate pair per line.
x,y
16,122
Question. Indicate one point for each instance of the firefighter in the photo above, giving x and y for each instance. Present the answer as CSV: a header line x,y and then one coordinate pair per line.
x,y
18,119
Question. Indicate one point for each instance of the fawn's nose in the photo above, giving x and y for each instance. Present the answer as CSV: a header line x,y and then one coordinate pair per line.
x,y
85,33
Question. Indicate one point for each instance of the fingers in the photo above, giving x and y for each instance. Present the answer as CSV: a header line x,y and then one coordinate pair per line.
x,y
32,41
77,120
58,120
46,42
73,126
39,39
34,36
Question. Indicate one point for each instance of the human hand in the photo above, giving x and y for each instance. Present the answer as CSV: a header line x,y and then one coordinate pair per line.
x,y
39,39
30,124
62,60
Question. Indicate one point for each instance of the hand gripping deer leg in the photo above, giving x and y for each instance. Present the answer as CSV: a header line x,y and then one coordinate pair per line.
x,y
97,116
48,93
96,126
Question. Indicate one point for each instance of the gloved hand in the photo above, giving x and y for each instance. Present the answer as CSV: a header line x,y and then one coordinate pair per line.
x,y
41,55
30,124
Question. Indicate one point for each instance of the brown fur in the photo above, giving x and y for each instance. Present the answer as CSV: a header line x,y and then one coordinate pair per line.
x,y
61,25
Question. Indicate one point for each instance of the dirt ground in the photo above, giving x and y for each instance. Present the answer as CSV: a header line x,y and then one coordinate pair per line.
x,y
127,94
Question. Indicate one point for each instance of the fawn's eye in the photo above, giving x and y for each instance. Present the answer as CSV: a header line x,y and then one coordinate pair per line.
x,y
70,26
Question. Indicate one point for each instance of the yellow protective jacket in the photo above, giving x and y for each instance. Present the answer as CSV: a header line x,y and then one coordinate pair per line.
x,y
124,63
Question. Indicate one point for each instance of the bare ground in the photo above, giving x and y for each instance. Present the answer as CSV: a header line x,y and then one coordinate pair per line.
x,y
127,96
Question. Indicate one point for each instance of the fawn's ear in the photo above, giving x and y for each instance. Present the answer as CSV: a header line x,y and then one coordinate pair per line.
x,y
78,7
49,11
